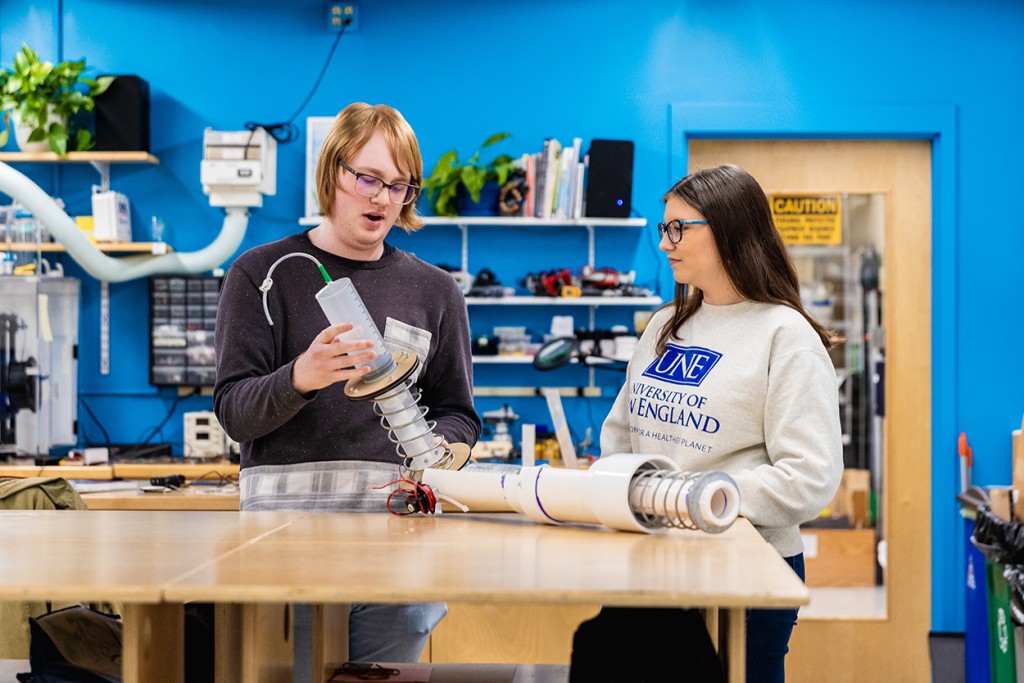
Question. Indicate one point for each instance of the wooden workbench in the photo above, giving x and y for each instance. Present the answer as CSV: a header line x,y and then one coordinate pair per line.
x,y
125,470
156,561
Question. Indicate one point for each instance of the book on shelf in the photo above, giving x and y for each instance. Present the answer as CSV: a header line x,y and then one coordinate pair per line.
x,y
528,165
552,152
555,179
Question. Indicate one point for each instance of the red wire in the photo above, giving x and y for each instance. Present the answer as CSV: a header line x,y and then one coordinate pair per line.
x,y
420,499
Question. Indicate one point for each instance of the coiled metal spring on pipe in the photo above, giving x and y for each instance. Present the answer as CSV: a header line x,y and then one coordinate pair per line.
x,y
683,500
401,402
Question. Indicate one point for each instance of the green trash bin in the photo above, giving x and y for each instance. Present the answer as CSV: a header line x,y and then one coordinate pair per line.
x,y
1000,627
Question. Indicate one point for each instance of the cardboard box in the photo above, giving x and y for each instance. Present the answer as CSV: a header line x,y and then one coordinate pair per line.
x,y
839,557
853,498
1003,502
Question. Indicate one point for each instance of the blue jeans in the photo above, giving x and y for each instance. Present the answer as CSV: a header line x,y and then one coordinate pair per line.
x,y
768,632
391,633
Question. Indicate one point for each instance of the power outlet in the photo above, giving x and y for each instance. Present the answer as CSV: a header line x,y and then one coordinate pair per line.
x,y
343,14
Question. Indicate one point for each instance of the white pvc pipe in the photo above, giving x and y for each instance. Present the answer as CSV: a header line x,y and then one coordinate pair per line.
x,y
617,491
106,268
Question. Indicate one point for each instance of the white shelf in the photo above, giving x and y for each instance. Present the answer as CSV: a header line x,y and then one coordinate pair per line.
x,y
527,222
80,157
528,360
105,247
99,160
517,221
564,301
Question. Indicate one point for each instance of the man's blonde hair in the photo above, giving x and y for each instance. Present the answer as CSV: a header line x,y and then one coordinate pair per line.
x,y
351,130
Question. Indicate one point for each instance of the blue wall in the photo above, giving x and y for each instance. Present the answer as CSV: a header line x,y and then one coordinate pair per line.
x,y
460,71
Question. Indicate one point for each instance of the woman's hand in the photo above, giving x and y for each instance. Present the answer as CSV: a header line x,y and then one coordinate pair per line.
x,y
329,360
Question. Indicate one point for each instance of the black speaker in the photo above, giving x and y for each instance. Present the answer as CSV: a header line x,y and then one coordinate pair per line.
x,y
610,179
122,116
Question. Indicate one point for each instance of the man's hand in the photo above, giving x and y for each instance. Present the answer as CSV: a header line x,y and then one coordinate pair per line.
x,y
327,360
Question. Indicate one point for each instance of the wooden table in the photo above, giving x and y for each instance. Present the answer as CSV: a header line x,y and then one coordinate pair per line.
x,y
439,673
196,497
155,561
126,470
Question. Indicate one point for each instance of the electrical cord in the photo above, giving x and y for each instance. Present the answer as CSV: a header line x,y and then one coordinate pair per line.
x,y
170,413
178,481
106,436
286,131
411,495
222,479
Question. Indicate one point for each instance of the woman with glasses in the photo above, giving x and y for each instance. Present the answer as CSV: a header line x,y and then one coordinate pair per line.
x,y
279,389
734,375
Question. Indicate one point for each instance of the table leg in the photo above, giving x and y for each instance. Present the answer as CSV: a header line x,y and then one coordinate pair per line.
x,y
321,641
737,644
227,643
330,635
711,620
265,649
153,646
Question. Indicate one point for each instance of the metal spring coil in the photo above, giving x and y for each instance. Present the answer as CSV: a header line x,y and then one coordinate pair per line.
x,y
401,447
661,497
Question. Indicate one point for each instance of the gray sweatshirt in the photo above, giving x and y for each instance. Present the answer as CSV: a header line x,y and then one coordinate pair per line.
x,y
414,305
748,389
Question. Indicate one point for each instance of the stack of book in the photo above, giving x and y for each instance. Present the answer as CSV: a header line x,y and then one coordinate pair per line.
x,y
555,179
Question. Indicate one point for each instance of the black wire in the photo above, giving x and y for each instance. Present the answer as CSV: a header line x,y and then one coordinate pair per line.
x,y
286,131
170,413
223,479
95,419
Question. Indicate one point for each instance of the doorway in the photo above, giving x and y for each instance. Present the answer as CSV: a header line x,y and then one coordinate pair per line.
x,y
862,647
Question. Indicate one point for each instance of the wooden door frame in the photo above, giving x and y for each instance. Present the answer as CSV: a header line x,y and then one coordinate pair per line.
x,y
936,123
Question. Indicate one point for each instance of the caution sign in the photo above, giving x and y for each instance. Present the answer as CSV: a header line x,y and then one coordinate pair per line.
x,y
807,218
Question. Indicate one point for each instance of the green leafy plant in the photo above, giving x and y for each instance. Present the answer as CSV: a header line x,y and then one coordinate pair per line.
x,y
34,89
450,173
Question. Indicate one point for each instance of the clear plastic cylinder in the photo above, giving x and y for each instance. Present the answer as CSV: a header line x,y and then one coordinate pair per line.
x,y
341,303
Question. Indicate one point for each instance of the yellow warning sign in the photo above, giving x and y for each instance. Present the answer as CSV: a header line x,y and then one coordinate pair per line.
x,y
808,218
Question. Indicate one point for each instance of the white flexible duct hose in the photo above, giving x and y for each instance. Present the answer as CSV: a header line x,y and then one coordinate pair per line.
x,y
103,267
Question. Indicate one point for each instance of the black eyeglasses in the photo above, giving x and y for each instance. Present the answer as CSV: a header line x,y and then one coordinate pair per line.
x,y
674,229
370,186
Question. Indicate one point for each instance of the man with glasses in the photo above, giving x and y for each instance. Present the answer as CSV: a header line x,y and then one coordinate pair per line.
x,y
279,390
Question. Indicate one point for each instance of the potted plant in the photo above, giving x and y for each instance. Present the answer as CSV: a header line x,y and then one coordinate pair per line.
x,y
41,98
452,178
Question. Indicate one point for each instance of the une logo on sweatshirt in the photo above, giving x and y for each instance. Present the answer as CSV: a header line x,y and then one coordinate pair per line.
x,y
686,365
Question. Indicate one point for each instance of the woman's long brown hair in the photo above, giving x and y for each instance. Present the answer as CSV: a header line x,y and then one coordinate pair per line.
x,y
752,250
